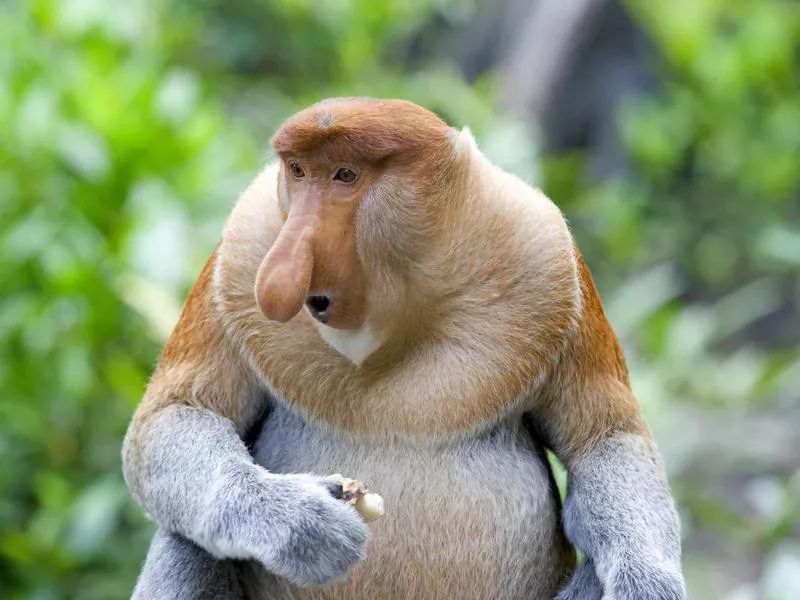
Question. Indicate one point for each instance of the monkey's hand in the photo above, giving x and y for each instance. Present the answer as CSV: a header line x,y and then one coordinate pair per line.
x,y
628,582
645,581
635,581
292,524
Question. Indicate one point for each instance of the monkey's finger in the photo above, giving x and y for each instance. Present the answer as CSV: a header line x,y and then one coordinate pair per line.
x,y
335,484
335,489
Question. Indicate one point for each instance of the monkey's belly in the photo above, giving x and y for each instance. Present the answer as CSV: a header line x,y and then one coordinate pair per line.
x,y
467,519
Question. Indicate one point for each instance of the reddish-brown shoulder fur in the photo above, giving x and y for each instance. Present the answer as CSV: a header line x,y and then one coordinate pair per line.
x,y
192,328
198,365
606,357
589,394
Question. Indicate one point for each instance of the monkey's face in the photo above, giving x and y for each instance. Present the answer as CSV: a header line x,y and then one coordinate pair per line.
x,y
350,194
314,262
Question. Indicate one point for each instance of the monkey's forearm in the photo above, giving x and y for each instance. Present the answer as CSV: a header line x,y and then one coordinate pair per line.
x,y
186,466
620,513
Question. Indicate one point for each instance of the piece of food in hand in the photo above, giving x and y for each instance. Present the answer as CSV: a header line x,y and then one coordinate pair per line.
x,y
370,506
355,494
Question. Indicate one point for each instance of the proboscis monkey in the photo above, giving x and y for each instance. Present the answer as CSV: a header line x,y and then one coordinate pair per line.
x,y
387,304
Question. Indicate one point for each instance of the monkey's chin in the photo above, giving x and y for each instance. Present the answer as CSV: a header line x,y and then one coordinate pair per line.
x,y
354,344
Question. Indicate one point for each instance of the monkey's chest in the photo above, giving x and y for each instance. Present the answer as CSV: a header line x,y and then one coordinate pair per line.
x,y
468,519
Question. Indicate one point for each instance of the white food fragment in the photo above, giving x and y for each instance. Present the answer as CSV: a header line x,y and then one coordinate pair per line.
x,y
355,494
370,506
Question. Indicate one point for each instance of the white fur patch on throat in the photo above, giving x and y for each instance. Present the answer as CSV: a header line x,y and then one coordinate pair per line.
x,y
354,344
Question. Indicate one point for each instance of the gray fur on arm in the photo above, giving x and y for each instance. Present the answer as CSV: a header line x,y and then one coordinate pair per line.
x,y
176,569
620,513
194,476
584,584
619,510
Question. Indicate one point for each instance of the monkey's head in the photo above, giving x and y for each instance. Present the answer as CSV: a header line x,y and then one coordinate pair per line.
x,y
361,189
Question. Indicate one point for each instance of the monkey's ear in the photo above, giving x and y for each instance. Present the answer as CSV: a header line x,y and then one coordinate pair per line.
x,y
463,141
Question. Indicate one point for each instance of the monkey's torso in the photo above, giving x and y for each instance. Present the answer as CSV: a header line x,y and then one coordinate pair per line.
x,y
473,518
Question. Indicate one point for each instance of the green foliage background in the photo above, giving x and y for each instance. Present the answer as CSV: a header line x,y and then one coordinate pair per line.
x,y
128,129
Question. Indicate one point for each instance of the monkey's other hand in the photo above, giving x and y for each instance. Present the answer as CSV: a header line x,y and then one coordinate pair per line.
x,y
636,582
292,524
642,581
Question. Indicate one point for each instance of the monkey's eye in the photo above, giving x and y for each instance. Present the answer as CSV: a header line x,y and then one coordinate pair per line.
x,y
345,175
296,170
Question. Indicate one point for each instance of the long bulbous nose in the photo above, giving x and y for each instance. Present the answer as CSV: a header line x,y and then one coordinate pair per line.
x,y
320,306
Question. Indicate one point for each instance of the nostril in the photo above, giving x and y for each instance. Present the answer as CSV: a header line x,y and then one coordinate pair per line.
x,y
318,305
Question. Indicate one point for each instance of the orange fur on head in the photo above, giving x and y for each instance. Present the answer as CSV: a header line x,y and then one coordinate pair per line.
x,y
364,128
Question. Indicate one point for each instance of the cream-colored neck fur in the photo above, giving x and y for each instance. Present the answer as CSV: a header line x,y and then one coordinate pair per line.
x,y
489,345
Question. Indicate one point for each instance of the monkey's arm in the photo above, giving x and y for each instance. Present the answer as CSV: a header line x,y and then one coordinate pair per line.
x,y
176,569
188,468
618,510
